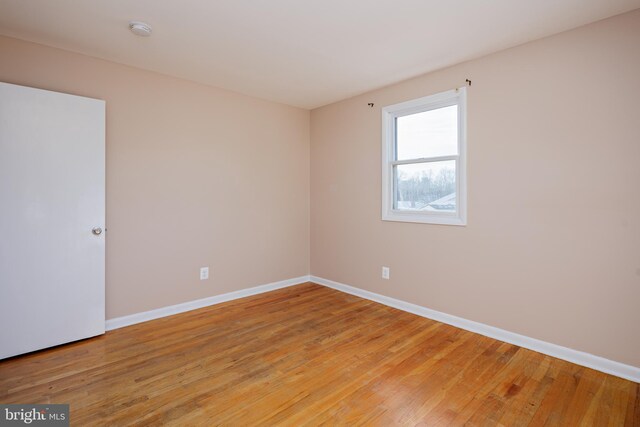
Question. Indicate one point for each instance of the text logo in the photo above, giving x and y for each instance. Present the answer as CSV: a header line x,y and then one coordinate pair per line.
x,y
34,415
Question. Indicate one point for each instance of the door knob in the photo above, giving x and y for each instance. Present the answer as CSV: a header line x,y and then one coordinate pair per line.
x,y
97,231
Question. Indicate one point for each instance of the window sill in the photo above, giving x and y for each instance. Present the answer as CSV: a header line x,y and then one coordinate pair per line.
x,y
399,216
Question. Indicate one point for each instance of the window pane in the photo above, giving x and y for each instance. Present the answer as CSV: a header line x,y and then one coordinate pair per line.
x,y
429,187
428,134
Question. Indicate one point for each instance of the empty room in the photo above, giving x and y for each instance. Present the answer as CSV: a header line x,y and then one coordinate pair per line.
x,y
259,213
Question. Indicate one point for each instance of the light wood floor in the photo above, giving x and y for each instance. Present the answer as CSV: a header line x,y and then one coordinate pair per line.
x,y
309,355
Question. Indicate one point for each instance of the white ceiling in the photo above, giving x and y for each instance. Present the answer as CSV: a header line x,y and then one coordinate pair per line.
x,y
305,53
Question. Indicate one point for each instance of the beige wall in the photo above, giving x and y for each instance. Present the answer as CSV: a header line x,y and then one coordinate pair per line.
x,y
552,246
195,176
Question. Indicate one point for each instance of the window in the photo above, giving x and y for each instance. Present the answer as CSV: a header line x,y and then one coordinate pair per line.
x,y
424,159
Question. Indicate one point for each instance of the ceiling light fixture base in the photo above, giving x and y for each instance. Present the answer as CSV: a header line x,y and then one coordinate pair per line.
x,y
141,29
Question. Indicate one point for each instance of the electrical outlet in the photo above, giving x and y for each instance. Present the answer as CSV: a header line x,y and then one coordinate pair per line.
x,y
385,273
204,273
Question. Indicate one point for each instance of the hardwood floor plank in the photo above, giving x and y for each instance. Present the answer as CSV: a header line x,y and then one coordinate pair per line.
x,y
309,355
632,417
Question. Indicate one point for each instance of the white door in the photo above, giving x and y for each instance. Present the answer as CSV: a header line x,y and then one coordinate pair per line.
x,y
52,218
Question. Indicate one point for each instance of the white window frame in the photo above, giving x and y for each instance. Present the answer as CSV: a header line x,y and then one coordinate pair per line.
x,y
389,115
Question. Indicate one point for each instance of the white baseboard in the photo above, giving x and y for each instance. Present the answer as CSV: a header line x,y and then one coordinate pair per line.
x,y
574,356
132,319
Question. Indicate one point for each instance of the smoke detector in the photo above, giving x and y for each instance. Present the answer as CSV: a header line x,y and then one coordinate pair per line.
x,y
140,28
